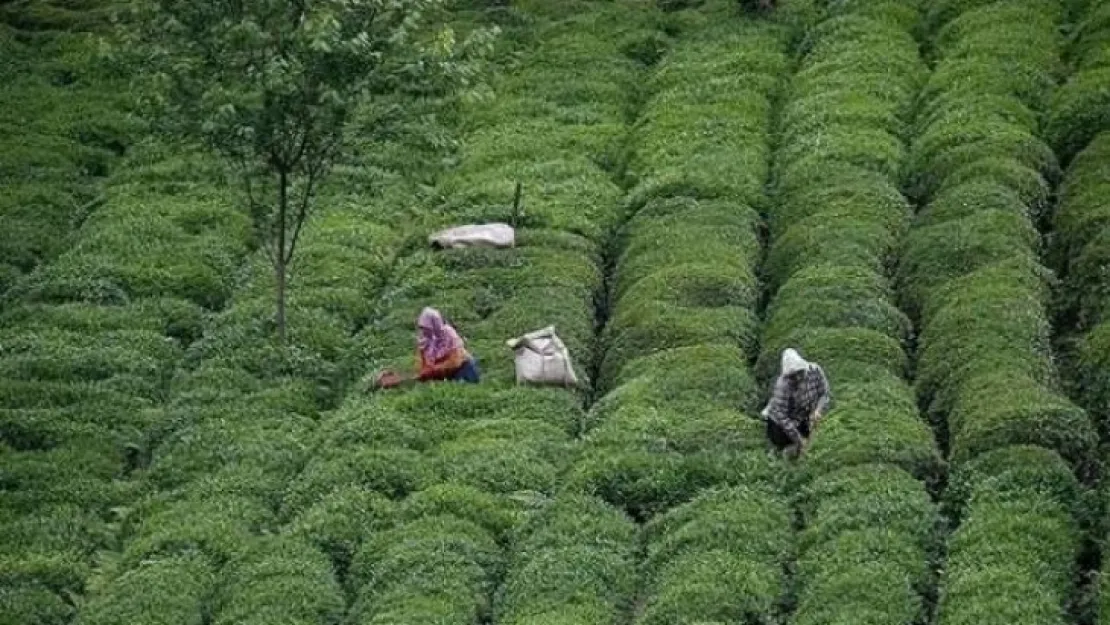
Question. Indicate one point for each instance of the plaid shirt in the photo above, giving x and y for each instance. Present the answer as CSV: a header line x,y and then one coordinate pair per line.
x,y
795,403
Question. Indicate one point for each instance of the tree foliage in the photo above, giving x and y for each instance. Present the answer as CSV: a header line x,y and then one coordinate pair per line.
x,y
273,86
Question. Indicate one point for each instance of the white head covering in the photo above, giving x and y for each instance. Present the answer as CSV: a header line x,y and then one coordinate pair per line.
x,y
792,361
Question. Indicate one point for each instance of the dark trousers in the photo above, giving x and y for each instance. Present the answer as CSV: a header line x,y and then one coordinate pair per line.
x,y
779,437
468,372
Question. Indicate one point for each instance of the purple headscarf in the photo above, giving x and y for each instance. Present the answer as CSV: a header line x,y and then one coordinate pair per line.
x,y
437,338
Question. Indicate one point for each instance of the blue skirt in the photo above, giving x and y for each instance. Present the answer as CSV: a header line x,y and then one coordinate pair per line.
x,y
468,372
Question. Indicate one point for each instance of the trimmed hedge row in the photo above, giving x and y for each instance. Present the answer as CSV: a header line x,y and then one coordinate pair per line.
x,y
1013,558
719,558
91,342
247,399
437,568
495,437
240,417
1079,108
1081,225
565,162
496,441
836,228
970,269
460,461
574,561
871,532
62,114
972,276
558,124
682,324
192,240
1081,244
684,278
713,90
870,528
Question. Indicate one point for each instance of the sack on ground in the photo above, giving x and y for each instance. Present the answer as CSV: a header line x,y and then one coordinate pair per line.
x,y
542,358
483,235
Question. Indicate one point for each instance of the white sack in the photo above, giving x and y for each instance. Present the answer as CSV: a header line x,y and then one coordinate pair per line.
x,y
484,235
542,358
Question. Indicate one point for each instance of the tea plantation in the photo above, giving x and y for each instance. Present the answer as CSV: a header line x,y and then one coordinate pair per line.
x,y
914,194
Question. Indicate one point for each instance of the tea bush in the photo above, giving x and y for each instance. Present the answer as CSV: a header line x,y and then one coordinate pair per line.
x,y
972,277
339,522
684,290
837,223
238,425
270,487
1032,568
436,565
719,557
1080,253
462,462
169,590
1077,113
572,562
64,116
279,579
871,533
91,341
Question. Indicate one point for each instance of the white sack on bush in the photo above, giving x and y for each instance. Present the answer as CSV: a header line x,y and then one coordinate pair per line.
x,y
475,235
542,358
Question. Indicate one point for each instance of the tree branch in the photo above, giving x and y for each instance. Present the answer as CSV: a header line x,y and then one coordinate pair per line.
x,y
318,164
302,216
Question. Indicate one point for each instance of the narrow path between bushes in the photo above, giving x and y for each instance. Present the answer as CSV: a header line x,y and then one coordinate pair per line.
x,y
647,54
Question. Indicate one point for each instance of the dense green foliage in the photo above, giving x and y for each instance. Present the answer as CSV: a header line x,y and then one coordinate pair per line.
x,y
238,423
574,562
972,277
682,324
869,528
91,342
719,558
163,459
498,443
1079,126
1081,251
64,125
1080,109
273,87
986,370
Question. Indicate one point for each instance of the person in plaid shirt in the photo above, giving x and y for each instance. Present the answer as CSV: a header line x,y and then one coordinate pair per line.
x,y
800,398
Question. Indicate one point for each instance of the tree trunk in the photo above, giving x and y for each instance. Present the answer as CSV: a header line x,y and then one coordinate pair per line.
x,y
279,258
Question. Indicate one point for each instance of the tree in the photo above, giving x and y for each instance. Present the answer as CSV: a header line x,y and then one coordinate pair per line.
x,y
273,84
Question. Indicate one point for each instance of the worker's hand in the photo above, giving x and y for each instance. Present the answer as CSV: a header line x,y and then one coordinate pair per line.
x,y
391,379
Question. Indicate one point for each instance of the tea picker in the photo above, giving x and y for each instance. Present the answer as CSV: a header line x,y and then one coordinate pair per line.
x,y
441,354
799,400
540,356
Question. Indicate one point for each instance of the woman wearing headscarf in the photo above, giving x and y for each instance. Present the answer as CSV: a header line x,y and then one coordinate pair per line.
x,y
800,398
440,351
